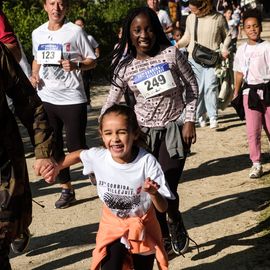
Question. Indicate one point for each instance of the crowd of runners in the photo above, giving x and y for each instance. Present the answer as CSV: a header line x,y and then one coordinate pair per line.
x,y
176,63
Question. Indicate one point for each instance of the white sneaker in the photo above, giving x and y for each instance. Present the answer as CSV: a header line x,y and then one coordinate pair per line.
x,y
256,171
213,123
202,121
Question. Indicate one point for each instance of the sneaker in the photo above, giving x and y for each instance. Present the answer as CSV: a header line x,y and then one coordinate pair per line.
x,y
20,244
168,245
179,236
202,121
213,123
66,199
256,171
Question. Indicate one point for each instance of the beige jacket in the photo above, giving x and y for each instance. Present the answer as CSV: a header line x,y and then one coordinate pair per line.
x,y
212,31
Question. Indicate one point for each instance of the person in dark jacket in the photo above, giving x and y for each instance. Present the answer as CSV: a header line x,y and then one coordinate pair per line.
x,y
15,193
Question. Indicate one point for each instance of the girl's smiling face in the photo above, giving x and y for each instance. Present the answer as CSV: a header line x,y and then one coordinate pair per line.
x,y
118,137
252,29
142,36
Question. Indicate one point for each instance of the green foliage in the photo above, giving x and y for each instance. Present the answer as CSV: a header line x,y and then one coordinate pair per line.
x,y
117,9
24,21
103,19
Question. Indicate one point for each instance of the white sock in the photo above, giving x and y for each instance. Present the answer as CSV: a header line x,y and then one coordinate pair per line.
x,y
257,164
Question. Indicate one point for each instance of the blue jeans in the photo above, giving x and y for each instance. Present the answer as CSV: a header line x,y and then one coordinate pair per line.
x,y
208,90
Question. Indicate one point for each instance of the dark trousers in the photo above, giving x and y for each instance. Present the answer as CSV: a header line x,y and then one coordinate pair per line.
x,y
87,78
74,119
116,253
172,169
4,251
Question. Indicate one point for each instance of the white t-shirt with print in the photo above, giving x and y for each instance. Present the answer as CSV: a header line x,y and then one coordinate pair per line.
x,y
254,62
119,186
58,86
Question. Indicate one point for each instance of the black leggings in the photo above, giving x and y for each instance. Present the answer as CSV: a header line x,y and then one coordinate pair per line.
x,y
116,253
87,78
172,169
74,118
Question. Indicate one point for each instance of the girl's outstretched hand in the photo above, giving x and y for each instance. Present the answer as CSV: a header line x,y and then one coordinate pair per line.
x,y
150,186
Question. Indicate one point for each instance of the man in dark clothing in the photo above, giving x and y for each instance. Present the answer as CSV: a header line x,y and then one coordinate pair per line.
x,y
15,193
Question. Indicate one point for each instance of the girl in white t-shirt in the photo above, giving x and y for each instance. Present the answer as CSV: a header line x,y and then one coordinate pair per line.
x,y
252,77
130,182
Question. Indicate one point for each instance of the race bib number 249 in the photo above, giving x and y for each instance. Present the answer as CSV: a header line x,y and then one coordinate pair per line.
x,y
155,80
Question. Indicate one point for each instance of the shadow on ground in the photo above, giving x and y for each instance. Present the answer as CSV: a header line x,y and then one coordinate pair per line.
x,y
227,206
255,239
66,261
80,235
255,257
216,167
231,121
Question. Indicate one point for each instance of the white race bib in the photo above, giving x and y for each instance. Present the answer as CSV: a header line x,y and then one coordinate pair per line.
x,y
155,80
49,54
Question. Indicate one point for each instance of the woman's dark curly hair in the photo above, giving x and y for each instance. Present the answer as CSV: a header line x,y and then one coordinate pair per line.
x,y
252,13
125,47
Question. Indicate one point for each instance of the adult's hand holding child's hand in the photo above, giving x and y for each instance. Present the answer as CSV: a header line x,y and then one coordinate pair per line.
x,y
47,168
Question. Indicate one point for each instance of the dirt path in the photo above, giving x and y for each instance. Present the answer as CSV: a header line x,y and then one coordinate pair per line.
x,y
219,202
